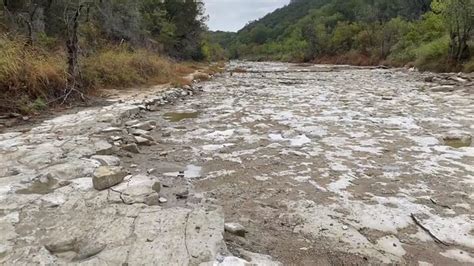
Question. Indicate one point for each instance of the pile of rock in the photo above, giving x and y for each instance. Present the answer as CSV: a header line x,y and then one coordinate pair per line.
x,y
448,82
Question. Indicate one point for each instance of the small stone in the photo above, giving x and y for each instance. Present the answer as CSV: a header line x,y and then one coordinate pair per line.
x,y
107,160
151,171
345,227
116,138
156,187
163,154
162,200
133,148
102,147
152,200
142,141
166,134
138,132
148,125
235,229
131,122
26,118
107,176
111,129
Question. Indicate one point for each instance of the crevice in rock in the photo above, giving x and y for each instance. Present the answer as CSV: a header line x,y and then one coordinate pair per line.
x,y
186,235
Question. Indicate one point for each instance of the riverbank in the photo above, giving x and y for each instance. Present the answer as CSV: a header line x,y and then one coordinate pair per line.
x,y
34,79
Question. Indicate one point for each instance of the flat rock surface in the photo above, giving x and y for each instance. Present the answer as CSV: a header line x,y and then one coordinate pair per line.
x,y
325,164
321,165
51,214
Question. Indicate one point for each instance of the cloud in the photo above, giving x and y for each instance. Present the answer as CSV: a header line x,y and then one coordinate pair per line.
x,y
232,15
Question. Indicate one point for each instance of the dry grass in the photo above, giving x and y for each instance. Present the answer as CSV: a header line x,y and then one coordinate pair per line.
x,y
120,68
239,70
31,77
202,77
28,75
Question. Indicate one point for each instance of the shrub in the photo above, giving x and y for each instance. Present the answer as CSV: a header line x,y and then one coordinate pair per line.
x,y
433,56
469,66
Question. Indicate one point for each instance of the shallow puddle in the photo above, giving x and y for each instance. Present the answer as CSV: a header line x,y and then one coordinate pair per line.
x,y
176,117
38,187
457,143
191,171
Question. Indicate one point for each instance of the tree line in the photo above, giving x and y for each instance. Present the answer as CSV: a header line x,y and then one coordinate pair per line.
x,y
430,34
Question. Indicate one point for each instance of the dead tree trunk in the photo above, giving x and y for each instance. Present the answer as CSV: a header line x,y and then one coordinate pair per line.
x,y
72,46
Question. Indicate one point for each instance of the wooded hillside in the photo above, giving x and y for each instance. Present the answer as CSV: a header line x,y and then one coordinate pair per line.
x,y
434,35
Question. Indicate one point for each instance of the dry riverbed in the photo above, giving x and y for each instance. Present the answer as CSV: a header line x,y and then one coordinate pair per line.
x,y
304,165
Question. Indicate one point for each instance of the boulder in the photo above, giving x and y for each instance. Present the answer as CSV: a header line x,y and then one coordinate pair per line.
x,y
107,176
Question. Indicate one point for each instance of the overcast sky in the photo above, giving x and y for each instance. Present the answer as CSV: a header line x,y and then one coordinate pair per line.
x,y
232,15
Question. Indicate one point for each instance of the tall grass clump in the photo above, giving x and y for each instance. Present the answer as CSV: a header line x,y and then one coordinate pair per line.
x,y
28,74
120,67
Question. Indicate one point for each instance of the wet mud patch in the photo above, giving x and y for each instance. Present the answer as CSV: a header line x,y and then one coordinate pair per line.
x,y
39,186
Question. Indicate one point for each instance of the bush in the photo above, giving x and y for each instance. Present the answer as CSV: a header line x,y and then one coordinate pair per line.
x,y
469,66
433,56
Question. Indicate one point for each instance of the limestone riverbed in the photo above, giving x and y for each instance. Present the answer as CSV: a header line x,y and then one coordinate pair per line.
x,y
304,164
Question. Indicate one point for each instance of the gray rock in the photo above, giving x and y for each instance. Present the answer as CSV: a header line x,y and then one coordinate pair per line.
x,y
131,122
138,132
152,200
102,147
142,141
133,148
235,229
148,125
107,160
107,176
162,200
138,190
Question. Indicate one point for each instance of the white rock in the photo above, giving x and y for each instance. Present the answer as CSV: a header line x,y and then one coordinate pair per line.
x,y
107,160
235,228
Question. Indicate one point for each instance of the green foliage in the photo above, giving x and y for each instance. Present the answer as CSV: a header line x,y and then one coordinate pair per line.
x,y
432,55
398,32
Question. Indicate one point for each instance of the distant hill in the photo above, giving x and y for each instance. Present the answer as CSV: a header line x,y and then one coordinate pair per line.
x,y
361,32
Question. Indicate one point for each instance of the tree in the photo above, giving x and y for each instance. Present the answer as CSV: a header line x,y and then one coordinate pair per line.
x,y
459,19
